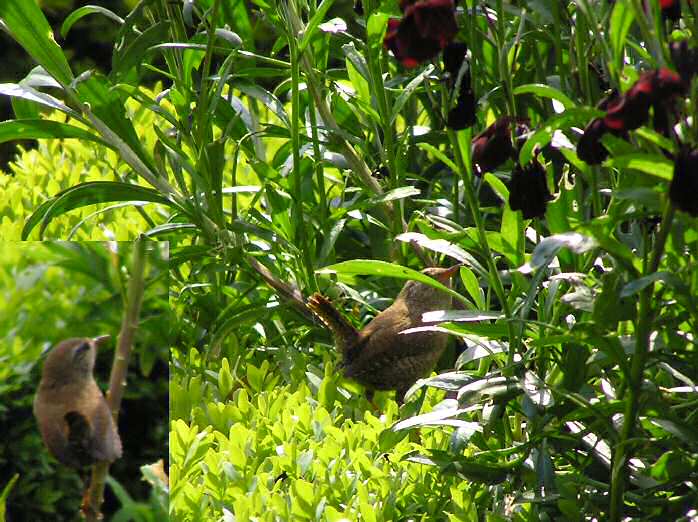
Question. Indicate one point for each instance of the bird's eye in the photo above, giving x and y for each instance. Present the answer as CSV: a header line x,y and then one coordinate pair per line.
x,y
81,350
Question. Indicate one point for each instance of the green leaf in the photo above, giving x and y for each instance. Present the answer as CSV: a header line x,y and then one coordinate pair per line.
x,y
441,416
444,247
674,465
255,377
357,70
460,316
84,11
398,193
546,250
408,91
652,164
497,185
573,117
43,129
6,493
545,91
225,379
16,90
313,23
633,287
107,113
85,194
375,29
303,497
472,285
622,18
267,98
439,155
134,52
382,268
658,139
28,25
511,232
475,469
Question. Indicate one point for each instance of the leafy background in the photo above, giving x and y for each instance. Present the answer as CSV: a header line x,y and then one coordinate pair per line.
x,y
282,141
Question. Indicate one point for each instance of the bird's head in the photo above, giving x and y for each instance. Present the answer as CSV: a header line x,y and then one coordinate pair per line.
x,y
72,360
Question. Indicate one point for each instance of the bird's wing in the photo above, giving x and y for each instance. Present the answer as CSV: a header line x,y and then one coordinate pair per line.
x,y
382,336
79,437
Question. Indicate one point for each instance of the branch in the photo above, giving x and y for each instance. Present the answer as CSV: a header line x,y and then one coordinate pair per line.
x,y
117,381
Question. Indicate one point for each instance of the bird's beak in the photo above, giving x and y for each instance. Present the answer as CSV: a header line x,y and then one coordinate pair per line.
x,y
101,340
446,275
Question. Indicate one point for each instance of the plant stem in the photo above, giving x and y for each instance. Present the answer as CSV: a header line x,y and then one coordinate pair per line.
x,y
466,174
117,380
297,215
645,317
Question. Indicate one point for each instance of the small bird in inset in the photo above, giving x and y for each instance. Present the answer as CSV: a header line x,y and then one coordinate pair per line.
x,y
73,416
379,356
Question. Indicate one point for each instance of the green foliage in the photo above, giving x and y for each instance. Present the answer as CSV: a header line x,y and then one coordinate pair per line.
x,y
57,165
265,451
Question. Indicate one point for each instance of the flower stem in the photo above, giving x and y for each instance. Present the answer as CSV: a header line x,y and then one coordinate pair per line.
x,y
645,316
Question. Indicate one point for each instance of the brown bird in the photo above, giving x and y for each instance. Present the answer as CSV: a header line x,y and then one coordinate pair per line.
x,y
379,356
73,416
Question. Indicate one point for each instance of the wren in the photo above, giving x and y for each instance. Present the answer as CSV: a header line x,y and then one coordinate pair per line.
x,y
73,416
379,356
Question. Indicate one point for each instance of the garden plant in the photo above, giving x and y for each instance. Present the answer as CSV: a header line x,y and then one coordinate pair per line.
x,y
286,148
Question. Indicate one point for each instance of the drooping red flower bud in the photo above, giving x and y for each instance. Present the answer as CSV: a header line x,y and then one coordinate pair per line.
x,y
683,190
454,56
493,146
590,149
656,89
685,60
631,110
668,84
671,9
463,114
528,190
424,30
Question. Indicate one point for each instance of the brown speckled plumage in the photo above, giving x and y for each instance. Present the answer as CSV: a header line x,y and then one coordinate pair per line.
x,y
73,416
379,356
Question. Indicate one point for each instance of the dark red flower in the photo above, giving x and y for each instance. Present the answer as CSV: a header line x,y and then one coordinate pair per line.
x,y
653,89
683,190
685,60
668,84
671,9
454,56
493,146
589,149
631,110
424,30
528,190
463,114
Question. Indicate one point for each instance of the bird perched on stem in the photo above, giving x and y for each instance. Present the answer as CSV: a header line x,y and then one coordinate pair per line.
x,y
379,356
73,416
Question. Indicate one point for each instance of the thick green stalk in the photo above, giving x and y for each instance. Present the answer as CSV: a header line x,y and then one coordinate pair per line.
x,y
298,219
117,380
645,317
319,171
388,143
503,61
466,175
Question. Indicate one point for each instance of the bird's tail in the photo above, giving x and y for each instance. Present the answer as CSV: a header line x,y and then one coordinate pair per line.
x,y
344,332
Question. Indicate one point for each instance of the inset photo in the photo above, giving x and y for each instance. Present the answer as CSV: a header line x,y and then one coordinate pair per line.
x,y
84,352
